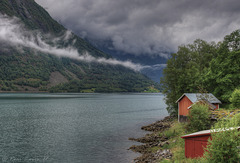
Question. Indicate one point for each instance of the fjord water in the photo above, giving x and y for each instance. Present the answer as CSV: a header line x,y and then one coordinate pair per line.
x,y
74,128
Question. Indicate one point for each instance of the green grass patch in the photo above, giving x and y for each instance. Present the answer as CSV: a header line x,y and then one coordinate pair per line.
x,y
177,144
155,149
166,146
175,130
165,161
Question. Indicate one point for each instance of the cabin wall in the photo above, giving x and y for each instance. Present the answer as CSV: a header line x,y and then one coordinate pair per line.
x,y
194,147
217,106
184,103
182,118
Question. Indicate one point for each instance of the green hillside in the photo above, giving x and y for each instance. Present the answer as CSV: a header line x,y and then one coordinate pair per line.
x,y
26,69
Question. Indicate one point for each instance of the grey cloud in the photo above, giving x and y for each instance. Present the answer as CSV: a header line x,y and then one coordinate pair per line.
x,y
147,26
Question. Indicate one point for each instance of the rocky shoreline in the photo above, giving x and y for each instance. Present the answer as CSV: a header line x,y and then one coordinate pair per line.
x,y
153,140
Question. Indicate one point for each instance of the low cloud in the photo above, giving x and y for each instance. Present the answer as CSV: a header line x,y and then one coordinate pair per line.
x,y
155,67
13,33
147,27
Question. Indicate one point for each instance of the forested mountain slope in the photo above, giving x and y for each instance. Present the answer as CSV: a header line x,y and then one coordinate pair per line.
x,y
39,54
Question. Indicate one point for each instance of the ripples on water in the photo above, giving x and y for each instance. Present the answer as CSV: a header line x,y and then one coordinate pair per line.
x,y
74,128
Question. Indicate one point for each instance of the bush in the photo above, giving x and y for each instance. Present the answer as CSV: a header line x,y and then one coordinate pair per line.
x,y
199,118
225,142
235,98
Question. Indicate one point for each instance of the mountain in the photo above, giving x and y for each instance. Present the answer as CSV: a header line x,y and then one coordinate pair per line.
x,y
152,65
39,54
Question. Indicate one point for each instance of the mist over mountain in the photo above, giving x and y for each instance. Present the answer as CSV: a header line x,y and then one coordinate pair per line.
x,y
39,54
146,27
152,65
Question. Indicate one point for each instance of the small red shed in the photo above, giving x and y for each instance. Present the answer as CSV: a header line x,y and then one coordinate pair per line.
x,y
195,143
187,100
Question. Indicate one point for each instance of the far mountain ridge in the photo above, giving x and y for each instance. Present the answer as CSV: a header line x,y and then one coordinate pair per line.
x,y
154,64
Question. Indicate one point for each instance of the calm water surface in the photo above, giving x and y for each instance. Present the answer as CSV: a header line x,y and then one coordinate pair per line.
x,y
74,128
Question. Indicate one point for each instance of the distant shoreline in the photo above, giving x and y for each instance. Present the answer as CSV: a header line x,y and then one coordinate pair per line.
x,y
23,92
74,92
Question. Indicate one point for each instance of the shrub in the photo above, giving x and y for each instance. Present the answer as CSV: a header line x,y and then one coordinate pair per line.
x,y
237,119
199,118
225,142
235,98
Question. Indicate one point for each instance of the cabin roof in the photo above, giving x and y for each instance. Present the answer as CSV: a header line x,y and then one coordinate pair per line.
x,y
207,132
210,105
199,133
194,97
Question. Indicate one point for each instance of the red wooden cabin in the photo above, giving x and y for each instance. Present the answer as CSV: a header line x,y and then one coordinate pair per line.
x,y
187,100
195,143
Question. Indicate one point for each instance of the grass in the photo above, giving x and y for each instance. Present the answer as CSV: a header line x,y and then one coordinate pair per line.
x,y
176,144
154,149
165,161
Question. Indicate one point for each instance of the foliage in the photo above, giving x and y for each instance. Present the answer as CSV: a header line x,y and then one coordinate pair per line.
x,y
101,78
235,98
151,89
223,113
35,18
184,71
170,133
227,139
224,70
177,148
214,67
25,69
165,161
19,70
199,118
225,142
177,144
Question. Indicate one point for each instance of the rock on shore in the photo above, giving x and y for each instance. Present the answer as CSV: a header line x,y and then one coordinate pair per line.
x,y
151,140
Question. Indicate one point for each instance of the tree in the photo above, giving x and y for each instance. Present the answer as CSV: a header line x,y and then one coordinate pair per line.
x,y
199,117
235,98
224,70
223,147
214,67
184,71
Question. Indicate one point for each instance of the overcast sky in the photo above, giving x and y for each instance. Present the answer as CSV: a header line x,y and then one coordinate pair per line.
x,y
147,26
